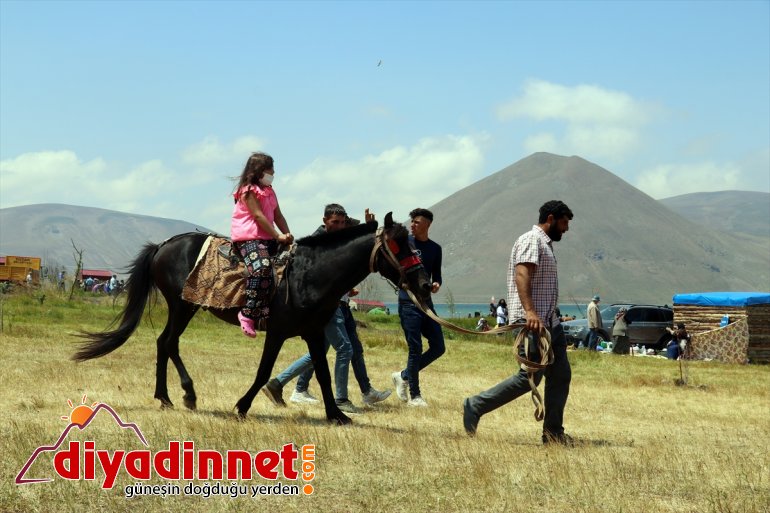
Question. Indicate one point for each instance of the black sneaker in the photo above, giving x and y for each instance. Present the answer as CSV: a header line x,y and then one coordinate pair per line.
x,y
274,391
470,419
560,439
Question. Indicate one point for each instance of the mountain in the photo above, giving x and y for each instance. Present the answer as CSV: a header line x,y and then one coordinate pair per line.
x,y
622,244
727,211
109,239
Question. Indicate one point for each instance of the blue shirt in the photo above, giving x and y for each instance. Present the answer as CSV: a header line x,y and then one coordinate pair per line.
x,y
430,254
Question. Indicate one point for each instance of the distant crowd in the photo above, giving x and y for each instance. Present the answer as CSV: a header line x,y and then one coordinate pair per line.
x,y
34,279
112,286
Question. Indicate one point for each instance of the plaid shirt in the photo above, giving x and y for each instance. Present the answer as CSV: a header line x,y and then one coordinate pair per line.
x,y
535,247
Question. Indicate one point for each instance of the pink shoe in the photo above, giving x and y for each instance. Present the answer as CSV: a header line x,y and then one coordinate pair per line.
x,y
247,325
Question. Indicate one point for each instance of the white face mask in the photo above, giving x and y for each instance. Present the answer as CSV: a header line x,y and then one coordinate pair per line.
x,y
266,180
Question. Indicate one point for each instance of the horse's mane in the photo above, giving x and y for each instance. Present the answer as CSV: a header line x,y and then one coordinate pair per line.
x,y
330,238
398,230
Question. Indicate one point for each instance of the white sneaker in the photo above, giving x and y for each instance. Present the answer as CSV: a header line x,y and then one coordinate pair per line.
x,y
302,397
375,396
418,402
401,385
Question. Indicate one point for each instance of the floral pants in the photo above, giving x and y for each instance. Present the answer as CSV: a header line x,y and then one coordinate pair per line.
x,y
256,254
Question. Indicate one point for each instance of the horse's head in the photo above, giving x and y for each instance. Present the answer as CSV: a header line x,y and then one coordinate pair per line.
x,y
396,259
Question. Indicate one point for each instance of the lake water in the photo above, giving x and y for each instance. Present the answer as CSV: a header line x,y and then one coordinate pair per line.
x,y
464,309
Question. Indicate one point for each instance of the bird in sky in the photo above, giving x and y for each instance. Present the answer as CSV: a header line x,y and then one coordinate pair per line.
x,y
379,63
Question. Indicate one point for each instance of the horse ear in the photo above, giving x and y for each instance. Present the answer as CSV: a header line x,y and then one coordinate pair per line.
x,y
388,220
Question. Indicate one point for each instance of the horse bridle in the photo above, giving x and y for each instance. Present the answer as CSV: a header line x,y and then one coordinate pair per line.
x,y
389,249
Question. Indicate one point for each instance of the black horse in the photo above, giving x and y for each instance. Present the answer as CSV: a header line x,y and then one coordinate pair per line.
x,y
324,268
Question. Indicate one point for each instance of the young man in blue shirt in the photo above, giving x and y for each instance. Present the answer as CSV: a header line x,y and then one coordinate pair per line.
x,y
415,323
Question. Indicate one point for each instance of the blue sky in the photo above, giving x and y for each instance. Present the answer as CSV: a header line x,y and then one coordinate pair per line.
x,y
150,107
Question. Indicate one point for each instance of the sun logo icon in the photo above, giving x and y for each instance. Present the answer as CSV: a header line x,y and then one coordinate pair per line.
x,y
81,413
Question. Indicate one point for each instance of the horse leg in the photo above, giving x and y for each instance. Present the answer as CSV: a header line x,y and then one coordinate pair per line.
x,y
181,318
270,352
315,344
161,368
168,347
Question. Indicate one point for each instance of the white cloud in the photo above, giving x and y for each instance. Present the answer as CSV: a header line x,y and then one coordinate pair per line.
x,y
580,104
62,177
398,180
757,170
177,191
669,180
210,161
210,151
541,142
48,177
597,123
148,180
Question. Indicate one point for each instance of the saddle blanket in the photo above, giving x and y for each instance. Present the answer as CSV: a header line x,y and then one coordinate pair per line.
x,y
214,282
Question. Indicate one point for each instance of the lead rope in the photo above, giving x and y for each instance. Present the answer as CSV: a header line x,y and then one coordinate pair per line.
x,y
430,313
528,366
545,351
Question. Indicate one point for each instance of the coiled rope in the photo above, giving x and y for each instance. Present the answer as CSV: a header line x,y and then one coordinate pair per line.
x,y
541,348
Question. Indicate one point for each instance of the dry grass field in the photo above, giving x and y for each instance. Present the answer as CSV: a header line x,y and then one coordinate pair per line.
x,y
645,444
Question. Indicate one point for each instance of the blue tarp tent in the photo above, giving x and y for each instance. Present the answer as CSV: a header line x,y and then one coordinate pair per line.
x,y
739,299
748,313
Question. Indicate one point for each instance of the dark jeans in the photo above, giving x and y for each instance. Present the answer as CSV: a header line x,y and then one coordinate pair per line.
x,y
557,379
335,335
357,362
341,333
417,325
593,338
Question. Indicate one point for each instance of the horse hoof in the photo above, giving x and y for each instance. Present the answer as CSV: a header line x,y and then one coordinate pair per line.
x,y
340,420
242,410
166,404
190,404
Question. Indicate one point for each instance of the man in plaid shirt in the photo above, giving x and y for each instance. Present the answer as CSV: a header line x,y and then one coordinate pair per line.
x,y
533,295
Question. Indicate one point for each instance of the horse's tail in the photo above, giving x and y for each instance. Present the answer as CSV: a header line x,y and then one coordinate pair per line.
x,y
138,288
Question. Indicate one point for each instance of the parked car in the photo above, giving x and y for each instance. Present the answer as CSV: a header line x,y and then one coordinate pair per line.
x,y
647,326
